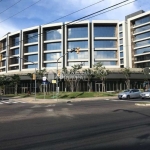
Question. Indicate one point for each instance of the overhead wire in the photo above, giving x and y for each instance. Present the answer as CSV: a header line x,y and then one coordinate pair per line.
x,y
78,19
10,6
20,11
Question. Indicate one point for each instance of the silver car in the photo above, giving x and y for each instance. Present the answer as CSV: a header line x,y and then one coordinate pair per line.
x,y
131,93
145,94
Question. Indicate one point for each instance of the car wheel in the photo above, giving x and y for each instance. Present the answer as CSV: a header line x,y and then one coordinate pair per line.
x,y
128,97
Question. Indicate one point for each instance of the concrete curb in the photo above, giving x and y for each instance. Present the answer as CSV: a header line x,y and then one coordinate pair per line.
x,y
142,104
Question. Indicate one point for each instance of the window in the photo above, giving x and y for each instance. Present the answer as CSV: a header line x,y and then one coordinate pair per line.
x,y
143,28
32,37
52,65
51,56
142,20
142,50
104,54
121,61
121,35
104,31
15,51
82,55
81,44
32,58
31,66
142,43
4,44
121,41
85,63
141,36
105,44
53,34
108,63
4,63
53,46
15,41
77,32
30,49
14,68
120,27
121,54
121,47
14,60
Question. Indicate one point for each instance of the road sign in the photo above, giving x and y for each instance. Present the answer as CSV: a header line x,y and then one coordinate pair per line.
x,y
53,81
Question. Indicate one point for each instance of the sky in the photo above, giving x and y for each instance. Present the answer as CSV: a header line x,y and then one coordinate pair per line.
x,y
20,14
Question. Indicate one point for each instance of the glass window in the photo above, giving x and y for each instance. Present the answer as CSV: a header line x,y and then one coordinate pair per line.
x,y
53,46
15,51
4,63
142,58
142,20
121,47
30,49
82,55
32,37
120,27
32,58
77,32
121,35
104,54
143,28
31,66
15,41
53,34
51,56
4,44
81,44
108,63
121,61
85,63
14,68
104,31
141,36
105,44
52,64
143,65
14,60
121,41
142,50
142,43
121,54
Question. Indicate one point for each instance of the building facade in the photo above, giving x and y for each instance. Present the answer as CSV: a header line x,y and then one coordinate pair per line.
x,y
113,43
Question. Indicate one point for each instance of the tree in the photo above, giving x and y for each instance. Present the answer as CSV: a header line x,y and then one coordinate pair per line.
x,y
101,72
15,80
4,80
89,74
72,76
127,74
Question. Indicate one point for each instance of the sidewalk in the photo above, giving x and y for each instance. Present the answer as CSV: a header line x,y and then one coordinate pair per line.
x,y
43,101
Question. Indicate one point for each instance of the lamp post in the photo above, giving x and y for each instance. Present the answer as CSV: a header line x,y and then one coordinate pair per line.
x,y
58,74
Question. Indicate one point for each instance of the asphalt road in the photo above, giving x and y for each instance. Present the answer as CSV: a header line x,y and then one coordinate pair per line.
x,y
91,125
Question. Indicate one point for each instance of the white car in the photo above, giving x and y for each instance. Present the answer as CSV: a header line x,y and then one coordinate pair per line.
x,y
131,93
145,94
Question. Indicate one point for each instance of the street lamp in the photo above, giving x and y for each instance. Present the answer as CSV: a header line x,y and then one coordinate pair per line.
x,y
34,75
58,72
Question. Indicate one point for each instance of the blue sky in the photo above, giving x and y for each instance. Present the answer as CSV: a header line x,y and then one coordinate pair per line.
x,y
46,11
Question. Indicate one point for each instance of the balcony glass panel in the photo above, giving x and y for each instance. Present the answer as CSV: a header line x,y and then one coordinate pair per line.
x,y
142,20
30,49
121,54
32,37
85,63
104,54
52,65
120,27
31,66
121,61
15,41
14,68
15,51
121,41
81,44
143,28
77,32
104,31
14,61
121,47
51,56
142,36
53,46
142,65
32,58
3,45
54,34
81,55
4,63
105,44
121,35
108,63
142,43
142,58
142,50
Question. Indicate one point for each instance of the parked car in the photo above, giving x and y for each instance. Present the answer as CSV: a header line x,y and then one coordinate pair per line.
x,y
145,94
131,93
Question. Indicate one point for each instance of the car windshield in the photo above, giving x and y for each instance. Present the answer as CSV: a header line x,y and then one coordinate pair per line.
x,y
126,91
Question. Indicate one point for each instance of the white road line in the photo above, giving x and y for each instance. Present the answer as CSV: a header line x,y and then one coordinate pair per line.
x,y
1,103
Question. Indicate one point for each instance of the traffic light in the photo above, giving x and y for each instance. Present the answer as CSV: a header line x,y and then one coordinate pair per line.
x,y
34,76
58,73
1,56
78,50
